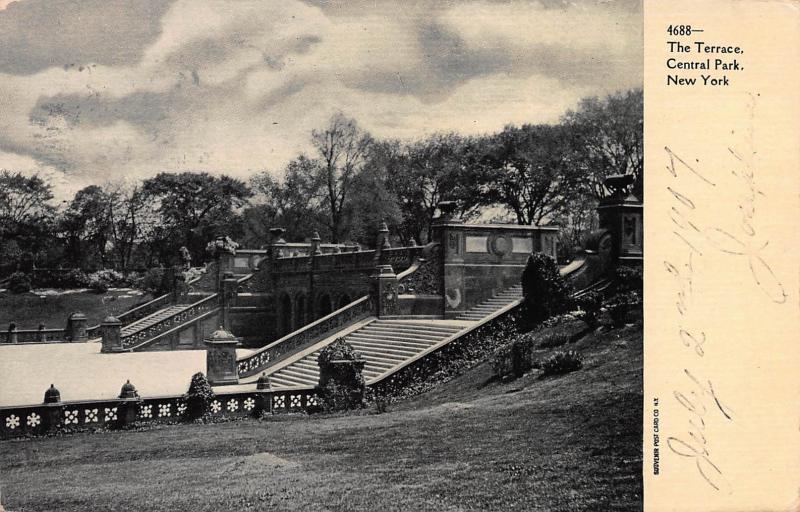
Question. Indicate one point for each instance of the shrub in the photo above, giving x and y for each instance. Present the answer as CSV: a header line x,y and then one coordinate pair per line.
x,y
619,305
109,277
19,282
554,339
628,279
561,363
546,292
341,383
98,285
590,303
153,281
199,397
515,358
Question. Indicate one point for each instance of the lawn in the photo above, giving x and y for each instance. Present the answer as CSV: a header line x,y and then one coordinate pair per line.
x,y
52,307
562,443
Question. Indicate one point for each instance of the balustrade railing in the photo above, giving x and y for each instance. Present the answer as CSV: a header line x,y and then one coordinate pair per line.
x,y
129,340
33,336
31,420
305,336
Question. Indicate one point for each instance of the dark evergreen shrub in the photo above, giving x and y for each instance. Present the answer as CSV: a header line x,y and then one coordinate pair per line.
x,y
619,305
590,303
199,397
628,279
545,292
561,363
19,282
341,383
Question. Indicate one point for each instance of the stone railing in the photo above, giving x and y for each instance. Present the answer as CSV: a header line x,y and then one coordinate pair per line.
x,y
176,328
33,336
305,337
198,308
148,308
33,420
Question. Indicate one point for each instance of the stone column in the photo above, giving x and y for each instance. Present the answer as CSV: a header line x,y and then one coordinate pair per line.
x,y
221,358
385,290
76,327
621,213
111,332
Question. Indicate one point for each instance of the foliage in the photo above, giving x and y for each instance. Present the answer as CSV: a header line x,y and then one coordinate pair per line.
x,y
619,305
339,350
531,171
628,279
199,397
515,358
98,285
153,281
561,363
19,282
545,292
590,303
609,135
341,384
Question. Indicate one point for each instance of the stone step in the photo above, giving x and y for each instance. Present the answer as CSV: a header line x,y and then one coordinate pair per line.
x,y
289,380
410,342
402,333
389,343
295,371
380,356
403,354
416,327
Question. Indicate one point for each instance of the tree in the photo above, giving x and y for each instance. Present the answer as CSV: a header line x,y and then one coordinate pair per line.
x,y
193,207
86,226
610,133
25,215
293,202
430,171
531,171
342,147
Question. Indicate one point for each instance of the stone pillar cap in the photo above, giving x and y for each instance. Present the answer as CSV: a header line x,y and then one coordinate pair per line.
x,y
111,319
221,336
52,395
77,316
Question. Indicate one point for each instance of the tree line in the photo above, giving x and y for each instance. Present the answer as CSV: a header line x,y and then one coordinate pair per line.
x,y
343,189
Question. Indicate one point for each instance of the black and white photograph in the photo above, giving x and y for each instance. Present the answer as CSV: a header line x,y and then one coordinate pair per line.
x,y
321,255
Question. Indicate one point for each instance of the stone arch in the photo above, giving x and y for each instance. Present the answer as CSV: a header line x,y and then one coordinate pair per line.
x,y
324,305
284,314
300,311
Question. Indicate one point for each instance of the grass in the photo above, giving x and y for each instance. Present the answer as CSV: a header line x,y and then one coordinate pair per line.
x,y
563,443
28,310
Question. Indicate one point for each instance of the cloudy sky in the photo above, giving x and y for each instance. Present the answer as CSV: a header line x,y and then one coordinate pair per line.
x,y
96,90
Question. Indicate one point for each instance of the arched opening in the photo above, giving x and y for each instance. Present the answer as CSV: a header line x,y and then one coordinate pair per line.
x,y
300,318
344,300
284,315
324,306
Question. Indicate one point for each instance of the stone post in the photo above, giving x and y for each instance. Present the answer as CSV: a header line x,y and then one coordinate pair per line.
x,y
76,327
264,397
229,286
111,332
41,336
52,401
315,241
385,289
221,358
128,407
277,243
12,333
622,214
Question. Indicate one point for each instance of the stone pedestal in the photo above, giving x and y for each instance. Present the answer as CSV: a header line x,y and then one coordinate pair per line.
x,y
111,332
53,411
76,327
385,287
221,358
622,214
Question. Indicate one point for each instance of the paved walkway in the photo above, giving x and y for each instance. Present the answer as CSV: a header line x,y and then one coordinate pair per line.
x,y
81,372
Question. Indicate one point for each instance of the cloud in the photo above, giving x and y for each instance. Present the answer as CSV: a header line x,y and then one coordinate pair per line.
x,y
237,86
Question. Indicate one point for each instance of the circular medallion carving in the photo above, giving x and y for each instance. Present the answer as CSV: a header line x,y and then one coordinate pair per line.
x,y
500,245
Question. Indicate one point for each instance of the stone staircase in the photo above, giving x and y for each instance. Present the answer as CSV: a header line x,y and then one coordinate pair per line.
x,y
153,319
384,344
496,303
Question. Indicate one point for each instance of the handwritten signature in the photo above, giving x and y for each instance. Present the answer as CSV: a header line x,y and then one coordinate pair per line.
x,y
701,400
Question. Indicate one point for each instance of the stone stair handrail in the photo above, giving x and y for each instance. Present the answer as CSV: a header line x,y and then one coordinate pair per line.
x,y
202,306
